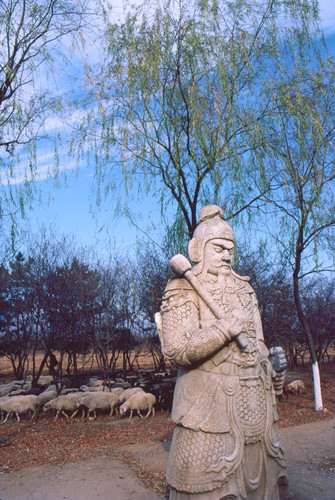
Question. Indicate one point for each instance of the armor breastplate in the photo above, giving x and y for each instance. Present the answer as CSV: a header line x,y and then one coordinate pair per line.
x,y
234,299
250,396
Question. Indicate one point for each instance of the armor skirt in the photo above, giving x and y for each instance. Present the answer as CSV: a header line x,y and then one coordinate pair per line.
x,y
230,465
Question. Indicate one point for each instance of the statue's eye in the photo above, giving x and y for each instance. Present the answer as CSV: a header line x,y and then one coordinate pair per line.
x,y
217,249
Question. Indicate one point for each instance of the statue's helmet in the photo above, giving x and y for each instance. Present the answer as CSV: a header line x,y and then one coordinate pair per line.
x,y
211,225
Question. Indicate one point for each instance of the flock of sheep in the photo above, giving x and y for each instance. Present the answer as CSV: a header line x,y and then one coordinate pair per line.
x,y
95,397
87,399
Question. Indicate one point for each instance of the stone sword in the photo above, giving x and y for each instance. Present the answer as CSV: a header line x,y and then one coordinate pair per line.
x,y
181,266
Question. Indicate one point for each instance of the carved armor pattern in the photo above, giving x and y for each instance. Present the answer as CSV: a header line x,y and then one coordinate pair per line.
x,y
195,453
251,402
191,343
178,316
199,450
182,318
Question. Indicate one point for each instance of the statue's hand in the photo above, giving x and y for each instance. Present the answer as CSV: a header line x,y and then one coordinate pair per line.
x,y
235,325
278,382
277,359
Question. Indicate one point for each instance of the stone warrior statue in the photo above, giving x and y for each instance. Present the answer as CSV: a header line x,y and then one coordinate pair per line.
x,y
226,443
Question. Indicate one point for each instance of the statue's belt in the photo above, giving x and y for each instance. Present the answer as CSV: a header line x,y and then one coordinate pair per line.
x,y
229,368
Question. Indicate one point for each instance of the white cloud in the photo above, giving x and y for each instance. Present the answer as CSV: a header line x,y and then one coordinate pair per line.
x,y
63,124
327,15
46,169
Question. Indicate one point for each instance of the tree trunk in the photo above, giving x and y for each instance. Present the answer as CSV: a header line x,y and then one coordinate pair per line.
x,y
124,363
75,365
306,326
39,372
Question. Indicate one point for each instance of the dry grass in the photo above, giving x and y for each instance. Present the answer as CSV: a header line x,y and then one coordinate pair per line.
x,y
86,364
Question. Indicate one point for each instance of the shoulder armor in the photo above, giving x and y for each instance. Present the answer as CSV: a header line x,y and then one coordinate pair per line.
x,y
178,284
177,293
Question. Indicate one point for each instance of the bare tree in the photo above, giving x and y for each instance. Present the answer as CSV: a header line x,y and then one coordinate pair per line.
x,y
31,43
302,154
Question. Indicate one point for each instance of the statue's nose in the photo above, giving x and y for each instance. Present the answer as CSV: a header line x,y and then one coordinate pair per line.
x,y
225,255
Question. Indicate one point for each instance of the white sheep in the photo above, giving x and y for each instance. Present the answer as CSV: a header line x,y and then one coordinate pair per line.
x,y
20,387
63,403
5,389
69,390
94,382
296,387
99,388
139,401
51,387
18,392
99,401
2,398
117,390
45,397
128,393
19,405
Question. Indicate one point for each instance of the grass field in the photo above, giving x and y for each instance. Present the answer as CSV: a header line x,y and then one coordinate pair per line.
x,y
86,364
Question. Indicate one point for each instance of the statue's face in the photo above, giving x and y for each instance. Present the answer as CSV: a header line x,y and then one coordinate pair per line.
x,y
218,256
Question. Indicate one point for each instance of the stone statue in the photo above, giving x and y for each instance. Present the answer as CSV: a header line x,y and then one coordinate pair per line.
x,y
226,443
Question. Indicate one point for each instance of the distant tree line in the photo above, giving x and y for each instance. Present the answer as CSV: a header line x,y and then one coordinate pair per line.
x,y
275,293
70,312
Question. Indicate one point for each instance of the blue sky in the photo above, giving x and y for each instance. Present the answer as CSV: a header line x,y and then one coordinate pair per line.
x,y
69,208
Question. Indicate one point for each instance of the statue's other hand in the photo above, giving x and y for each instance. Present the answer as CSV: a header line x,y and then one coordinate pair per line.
x,y
235,325
277,359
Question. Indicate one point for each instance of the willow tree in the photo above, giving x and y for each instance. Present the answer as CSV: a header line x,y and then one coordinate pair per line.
x,y
31,37
179,98
302,153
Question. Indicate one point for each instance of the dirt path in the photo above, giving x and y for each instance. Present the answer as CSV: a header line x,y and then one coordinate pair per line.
x,y
99,478
310,451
